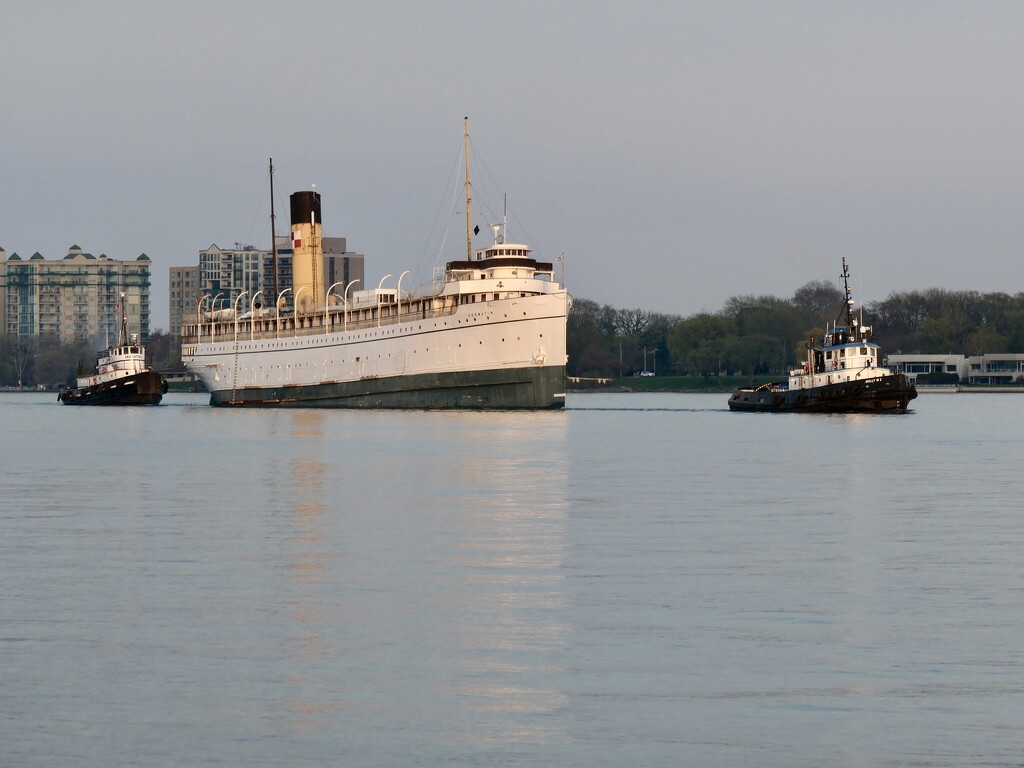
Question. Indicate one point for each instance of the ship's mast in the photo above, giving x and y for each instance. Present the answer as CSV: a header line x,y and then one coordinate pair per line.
x,y
469,231
273,231
847,298
122,338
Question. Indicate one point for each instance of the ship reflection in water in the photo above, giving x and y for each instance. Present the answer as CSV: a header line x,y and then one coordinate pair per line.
x,y
388,549
510,557
306,572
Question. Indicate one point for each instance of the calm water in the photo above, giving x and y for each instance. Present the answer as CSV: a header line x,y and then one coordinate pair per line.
x,y
639,580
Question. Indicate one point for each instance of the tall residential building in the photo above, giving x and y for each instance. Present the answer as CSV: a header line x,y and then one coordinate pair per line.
x,y
230,271
184,297
76,298
224,274
340,266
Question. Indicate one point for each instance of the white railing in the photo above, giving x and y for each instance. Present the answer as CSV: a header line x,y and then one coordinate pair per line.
x,y
310,324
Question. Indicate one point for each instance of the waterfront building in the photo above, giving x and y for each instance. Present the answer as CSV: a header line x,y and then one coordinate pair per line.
x,y
225,274
1000,368
340,266
75,298
229,272
184,296
920,365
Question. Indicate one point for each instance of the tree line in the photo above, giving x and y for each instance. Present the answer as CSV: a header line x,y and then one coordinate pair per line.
x,y
46,361
750,335
765,335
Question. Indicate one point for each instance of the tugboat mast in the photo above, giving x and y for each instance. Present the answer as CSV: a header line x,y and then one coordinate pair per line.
x,y
122,337
847,299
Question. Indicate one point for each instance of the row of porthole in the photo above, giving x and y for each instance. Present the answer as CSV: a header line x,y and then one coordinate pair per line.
x,y
280,345
368,336
331,362
373,336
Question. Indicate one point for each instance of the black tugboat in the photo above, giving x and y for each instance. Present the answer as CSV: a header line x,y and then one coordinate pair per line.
x,y
842,375
121,378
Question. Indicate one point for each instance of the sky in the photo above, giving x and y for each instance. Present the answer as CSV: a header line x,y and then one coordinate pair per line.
x,y
678,153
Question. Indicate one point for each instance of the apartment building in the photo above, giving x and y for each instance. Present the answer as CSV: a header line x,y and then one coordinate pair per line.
x,y
184,296
225,274
75,298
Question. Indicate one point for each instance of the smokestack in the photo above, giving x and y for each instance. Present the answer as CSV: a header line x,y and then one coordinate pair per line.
x,y
307,252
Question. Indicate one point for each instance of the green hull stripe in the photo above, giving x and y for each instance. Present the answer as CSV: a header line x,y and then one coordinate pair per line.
x,y
533,387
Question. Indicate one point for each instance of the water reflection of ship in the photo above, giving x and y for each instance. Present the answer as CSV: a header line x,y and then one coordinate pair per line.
x,y
513,547
305,566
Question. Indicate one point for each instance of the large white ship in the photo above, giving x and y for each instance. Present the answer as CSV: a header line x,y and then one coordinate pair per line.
x,y
489,333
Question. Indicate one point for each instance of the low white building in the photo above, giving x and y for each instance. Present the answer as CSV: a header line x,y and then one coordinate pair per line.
x,y
917,365
1001,368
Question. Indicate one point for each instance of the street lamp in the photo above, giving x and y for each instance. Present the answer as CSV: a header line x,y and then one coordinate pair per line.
x,y
327,303
213,312
295,314
238,299
400,293
252,315
381,283
346,300
279,297
199,316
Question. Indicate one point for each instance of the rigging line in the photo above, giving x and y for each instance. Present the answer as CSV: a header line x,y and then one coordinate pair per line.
x,y
482,191
448,219
256,213
456,169
527,237
524,235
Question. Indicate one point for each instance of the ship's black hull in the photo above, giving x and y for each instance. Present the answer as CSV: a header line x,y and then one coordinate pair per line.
x,y
888,394
146,388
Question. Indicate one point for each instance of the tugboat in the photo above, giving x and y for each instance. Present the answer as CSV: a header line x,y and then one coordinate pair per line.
x,y
121,378
841,375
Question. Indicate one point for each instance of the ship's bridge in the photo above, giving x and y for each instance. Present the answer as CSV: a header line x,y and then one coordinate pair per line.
x,y
504,251
501,261
840,335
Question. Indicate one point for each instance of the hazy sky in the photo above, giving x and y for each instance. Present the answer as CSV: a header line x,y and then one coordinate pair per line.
x,y
678,152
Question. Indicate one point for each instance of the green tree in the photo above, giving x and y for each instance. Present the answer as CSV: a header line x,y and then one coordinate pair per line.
x,y
818,302
756,354
688,335
590,330
938,335
985,341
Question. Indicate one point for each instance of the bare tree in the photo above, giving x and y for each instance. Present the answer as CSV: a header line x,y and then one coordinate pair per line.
x,y
633,322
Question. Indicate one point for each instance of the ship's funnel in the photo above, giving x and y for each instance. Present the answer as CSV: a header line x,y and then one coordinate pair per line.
x,y
307,252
